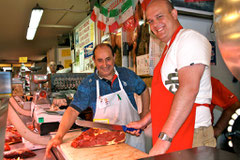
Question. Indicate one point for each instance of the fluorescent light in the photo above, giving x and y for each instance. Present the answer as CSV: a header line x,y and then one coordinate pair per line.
x,y
34,22
35,17
31,33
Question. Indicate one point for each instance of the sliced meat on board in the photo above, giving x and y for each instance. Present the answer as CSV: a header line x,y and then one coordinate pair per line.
x,y
98,137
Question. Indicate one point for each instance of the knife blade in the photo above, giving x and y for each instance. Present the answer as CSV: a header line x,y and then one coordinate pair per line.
x,y
113,127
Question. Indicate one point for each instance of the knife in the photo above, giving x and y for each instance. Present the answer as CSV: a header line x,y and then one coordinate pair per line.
x,y
114,127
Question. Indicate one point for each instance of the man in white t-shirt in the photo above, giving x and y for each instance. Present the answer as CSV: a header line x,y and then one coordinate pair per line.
x,y
181,85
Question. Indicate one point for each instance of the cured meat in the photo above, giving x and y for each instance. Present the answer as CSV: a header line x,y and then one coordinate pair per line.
x,y
12,136
21,153
6,147
98,137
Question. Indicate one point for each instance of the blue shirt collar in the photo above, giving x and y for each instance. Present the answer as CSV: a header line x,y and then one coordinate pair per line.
x,y
98,77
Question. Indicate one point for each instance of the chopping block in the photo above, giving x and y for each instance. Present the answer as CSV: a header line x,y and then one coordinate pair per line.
x,y
121,151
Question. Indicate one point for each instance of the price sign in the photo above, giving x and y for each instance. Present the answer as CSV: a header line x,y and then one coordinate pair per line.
x,y
23,59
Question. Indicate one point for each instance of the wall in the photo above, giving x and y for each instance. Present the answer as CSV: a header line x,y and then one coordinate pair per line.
x,y
219,71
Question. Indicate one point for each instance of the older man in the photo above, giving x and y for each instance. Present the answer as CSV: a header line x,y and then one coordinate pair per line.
x,y
115,84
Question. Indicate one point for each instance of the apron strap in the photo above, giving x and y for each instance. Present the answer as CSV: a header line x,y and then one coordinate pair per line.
x,y
205,104
97,87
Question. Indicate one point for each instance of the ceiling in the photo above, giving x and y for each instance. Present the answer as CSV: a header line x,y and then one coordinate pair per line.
x,y
59,18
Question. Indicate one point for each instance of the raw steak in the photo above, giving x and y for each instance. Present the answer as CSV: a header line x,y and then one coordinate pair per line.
x,y
98,137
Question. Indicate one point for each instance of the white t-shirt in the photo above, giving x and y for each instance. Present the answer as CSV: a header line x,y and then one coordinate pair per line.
x,y
188,48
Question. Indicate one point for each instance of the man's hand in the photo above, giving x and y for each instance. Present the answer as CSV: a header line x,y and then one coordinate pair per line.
x,y
137,125
160,147
52,143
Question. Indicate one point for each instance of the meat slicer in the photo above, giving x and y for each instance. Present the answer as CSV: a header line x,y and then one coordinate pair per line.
x,y
40,95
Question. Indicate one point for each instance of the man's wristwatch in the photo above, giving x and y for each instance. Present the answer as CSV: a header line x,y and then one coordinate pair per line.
x,y
163,136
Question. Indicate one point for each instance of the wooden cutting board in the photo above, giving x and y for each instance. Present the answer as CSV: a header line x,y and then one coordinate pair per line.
x,y
112,152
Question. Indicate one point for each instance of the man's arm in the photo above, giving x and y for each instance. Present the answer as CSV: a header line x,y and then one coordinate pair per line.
x,y
189,82
145,98
69,117
224,119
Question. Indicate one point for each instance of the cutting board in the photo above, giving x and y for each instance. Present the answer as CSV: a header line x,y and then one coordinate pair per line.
x,y
112,152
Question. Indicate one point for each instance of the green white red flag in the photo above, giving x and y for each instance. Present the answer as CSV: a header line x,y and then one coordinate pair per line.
x,y
102,18
113,24
95,12
127,11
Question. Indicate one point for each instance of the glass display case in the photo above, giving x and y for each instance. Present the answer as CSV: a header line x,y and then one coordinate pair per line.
x,y
5,93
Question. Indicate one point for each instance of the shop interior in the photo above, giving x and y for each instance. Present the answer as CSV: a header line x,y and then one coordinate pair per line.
x,y
40,76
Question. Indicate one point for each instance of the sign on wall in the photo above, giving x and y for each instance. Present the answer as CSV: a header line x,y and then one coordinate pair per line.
x,y
84,44
88,50
64,57
23,59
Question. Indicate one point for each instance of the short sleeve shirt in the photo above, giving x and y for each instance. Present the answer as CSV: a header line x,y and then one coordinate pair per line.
x,y
188,48
222,97
86,93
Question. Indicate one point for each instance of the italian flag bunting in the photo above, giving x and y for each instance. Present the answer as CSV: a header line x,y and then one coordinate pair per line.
x,y
95,12
112,21
102,18
127,11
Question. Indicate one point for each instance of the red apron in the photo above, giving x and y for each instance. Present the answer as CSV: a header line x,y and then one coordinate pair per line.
x,y
161,101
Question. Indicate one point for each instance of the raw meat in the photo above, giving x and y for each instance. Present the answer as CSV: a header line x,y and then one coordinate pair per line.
x,y
22,153
98,137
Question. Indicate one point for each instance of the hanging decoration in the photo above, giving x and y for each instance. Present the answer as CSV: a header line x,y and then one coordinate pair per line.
x,y
102,18
130,24
111,20
144,4
113,23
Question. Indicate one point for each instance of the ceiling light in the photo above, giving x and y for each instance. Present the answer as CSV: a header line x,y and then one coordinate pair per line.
x,y
34,22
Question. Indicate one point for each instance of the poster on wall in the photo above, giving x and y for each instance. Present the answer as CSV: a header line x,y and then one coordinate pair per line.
x,y
88,50
143,65
76,38
88,65
155,52
64,57
67,63
81,60
72,55
84,44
